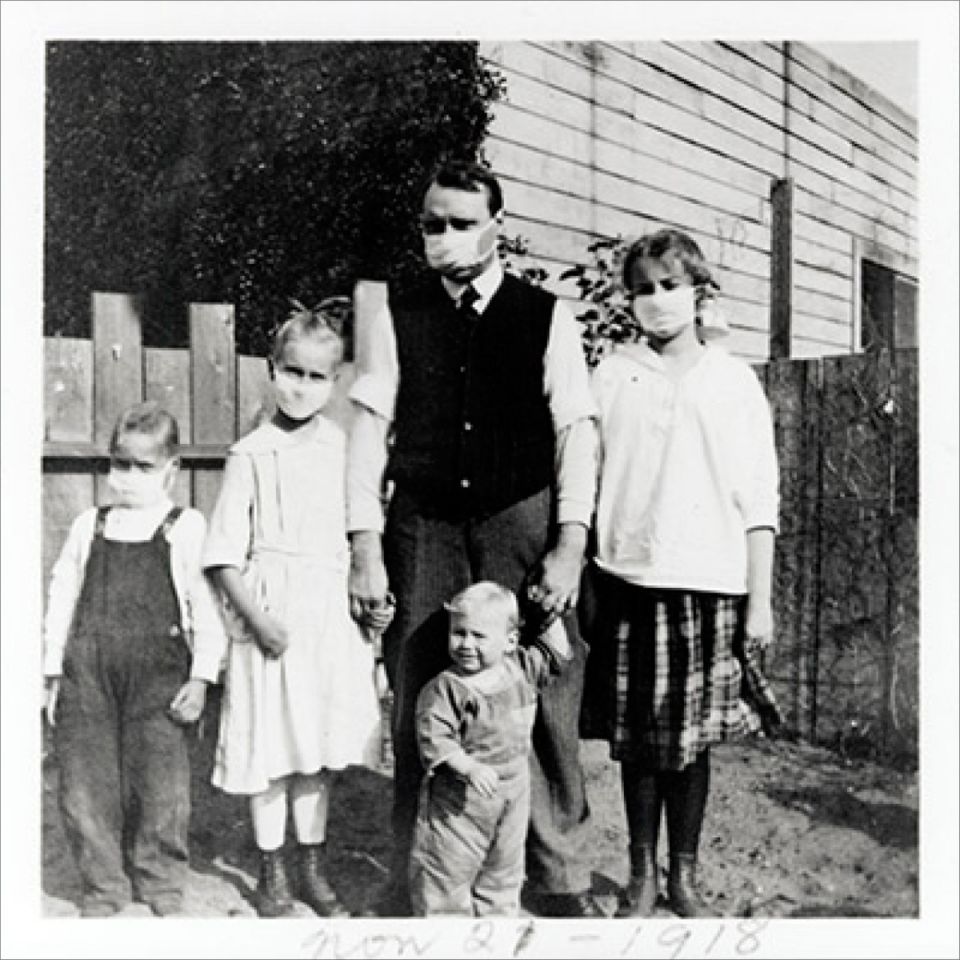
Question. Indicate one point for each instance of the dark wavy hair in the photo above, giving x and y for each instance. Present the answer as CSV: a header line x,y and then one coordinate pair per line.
x,y
463,175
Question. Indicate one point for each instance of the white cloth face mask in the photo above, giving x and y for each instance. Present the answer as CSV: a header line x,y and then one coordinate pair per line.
x,y
666,313
300,399
458,250
138,488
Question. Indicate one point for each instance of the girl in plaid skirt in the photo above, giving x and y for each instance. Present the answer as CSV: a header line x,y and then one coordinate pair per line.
x,y
686,520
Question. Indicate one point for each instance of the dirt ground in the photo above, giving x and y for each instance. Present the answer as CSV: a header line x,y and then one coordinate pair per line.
x,y
791,831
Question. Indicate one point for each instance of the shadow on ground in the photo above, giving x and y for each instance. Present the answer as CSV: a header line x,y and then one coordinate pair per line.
x,y
888,824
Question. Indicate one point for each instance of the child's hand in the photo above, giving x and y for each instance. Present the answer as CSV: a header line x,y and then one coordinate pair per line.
x,y
51,691
758,623
187,705
484,779
376,618
270,634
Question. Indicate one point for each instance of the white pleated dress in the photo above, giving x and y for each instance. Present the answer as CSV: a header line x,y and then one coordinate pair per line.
x,y
280,519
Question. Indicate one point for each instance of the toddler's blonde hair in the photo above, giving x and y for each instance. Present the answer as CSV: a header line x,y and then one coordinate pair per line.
x,y
487,596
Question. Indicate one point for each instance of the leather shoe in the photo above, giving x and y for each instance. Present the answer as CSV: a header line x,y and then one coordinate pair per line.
x,y
581,905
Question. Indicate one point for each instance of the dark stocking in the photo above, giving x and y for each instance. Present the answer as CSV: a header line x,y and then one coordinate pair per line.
x,y
686,799
643,803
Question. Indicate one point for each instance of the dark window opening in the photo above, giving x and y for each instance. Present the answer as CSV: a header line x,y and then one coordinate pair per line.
x,y
888,308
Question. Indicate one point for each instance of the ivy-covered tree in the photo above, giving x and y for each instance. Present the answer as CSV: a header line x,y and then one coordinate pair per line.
x,y
248,173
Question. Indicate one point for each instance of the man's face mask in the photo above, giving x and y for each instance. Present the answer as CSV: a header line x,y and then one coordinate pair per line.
x,y
457,253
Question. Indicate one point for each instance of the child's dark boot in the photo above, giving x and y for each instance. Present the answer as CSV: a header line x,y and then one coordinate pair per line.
x,y
640,897
272,897
685,899
315,888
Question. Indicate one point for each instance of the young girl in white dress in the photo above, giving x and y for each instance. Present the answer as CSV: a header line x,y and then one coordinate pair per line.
x,y
299,698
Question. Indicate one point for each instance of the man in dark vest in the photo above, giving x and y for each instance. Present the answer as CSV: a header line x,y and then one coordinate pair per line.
x,y
473,409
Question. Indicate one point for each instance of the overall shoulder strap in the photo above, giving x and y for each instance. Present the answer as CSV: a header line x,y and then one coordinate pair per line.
x,y
100,522
168,521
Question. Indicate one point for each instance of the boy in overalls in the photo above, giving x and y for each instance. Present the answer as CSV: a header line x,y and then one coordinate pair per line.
x,y
132,637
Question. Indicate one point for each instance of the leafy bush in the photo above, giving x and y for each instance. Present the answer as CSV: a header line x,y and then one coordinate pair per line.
x,y
246,173
606,319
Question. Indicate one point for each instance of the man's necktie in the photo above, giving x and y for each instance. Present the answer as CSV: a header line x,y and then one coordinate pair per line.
x,y
465,305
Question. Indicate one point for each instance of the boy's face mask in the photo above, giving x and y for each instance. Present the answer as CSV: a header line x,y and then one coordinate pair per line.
x,y
132,487
141,472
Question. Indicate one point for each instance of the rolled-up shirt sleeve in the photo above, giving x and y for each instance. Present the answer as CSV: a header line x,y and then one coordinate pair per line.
x,y
373,394
366,465
574,412
375,350
761,507
66,580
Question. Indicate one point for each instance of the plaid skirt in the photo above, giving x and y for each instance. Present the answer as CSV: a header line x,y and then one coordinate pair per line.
x,y
670,672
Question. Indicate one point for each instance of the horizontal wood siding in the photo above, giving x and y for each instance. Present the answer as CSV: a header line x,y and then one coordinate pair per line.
x,y
605,139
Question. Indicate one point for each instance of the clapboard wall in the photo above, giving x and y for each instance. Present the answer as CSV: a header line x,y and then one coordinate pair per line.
x,y
615,138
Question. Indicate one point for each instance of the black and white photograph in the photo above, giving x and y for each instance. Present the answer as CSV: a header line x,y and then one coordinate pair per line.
x,y
480,479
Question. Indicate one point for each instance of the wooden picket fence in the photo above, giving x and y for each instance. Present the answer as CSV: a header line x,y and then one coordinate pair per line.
x,y
845,662
215,394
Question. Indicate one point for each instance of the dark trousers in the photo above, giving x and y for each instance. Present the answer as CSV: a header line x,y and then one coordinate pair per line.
x,y
428,561
124,766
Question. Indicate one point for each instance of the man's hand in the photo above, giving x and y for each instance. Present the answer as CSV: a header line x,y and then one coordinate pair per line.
x,y
187,705
557,588
368,585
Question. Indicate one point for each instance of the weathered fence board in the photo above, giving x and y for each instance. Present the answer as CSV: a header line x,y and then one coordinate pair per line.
x,y
68,389
166,375
213,373
64,494
117,359
254,393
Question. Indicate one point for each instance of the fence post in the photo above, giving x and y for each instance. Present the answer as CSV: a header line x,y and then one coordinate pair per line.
x,y
781,268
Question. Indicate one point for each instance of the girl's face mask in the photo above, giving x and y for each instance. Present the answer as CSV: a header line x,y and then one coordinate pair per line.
x,y
663,299
298,397
666,313
303,377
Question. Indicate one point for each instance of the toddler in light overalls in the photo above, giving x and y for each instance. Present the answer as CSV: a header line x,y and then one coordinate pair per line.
x,y
474,723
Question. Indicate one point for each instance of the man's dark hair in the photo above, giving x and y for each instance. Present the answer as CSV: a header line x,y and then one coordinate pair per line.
x,y
463,175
